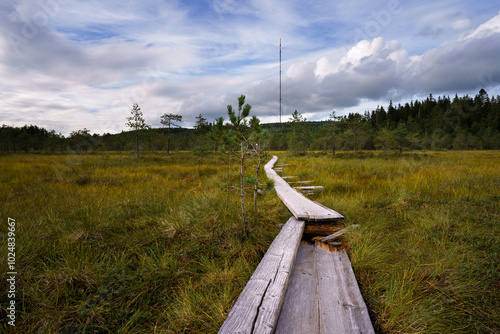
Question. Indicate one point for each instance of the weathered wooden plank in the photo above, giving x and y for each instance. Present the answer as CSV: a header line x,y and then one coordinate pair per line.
x,y
311,188
360,311
258,307
330,300
334,235
335,244
338,233
300,206
319,295
339,294
320,229
272,303
300,310
300,182
323,296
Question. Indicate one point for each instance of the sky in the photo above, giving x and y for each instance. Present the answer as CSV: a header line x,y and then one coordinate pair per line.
x,y
72,64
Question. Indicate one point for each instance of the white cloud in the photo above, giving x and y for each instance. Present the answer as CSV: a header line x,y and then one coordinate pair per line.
x,y
461,24
488,28
376,70
325,67
361,51
90,60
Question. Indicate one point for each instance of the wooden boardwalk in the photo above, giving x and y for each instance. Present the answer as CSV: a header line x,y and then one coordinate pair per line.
x,y
301,207
323,295
299,287
258,308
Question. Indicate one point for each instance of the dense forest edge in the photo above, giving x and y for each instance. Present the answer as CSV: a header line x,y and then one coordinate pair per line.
x,y
462,123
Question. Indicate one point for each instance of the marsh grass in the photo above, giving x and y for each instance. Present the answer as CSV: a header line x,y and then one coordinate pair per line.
x,y
112,244
427,253
107,243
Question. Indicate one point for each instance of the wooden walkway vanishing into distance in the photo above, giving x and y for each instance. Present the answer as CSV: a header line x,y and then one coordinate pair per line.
x,y
301,207
300,287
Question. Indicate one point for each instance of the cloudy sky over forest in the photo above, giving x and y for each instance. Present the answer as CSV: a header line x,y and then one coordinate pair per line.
x,y
74,64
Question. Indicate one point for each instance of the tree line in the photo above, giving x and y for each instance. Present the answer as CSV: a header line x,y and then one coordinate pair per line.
x,y
444,123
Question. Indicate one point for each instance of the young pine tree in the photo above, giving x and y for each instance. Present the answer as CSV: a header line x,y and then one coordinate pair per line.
x,y
298,141
169,121
238,141
136,123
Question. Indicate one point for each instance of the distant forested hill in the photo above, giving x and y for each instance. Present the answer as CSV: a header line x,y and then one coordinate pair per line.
x,y
443,123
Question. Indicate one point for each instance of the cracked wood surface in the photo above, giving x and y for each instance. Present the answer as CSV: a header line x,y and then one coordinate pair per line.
x,y
259,305
323,295
301,207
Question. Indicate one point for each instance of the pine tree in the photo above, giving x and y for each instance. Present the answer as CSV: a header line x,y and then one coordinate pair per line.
x,y
299,136
333,119
136,123
238,141
168,120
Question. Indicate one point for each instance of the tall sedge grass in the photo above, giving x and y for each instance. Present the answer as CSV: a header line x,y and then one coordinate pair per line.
x,y
112,244
427,252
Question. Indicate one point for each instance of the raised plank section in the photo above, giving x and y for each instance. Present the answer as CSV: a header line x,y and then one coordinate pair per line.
x,y
300,182
338,233
323,296
301,296
300,206
259,305
319,229
310,188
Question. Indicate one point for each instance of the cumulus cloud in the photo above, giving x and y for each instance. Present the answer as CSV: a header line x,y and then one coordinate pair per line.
x,y
488,28
68,65
378,70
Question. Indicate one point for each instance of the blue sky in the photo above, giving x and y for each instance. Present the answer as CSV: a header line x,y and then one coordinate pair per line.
x,y
69,64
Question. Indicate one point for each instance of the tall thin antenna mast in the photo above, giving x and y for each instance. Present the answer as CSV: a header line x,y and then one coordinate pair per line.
x,y
280,80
